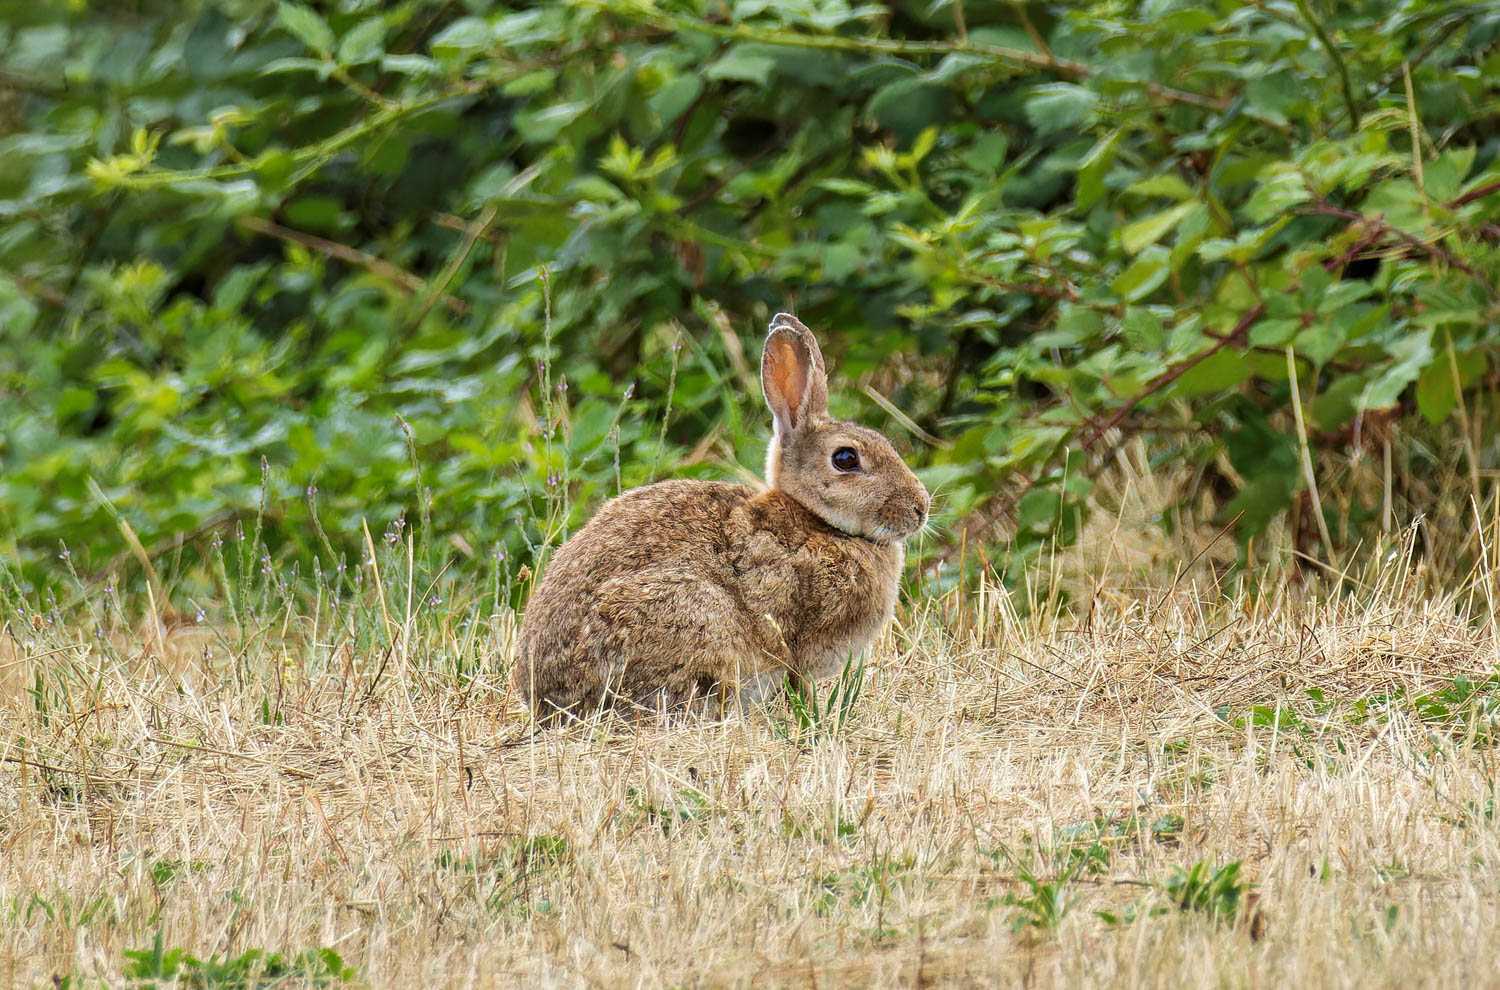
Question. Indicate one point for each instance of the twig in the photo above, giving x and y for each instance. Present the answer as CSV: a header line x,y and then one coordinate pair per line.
x,y
1326,208
1000,53
1338,62
40,290
1173,373
439,289
1473,194
413,284
901,417
1068,292
28,84
455,222
213,522
712,189
1368,240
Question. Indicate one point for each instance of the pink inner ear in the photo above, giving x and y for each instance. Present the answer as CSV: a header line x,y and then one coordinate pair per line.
x,y
789,373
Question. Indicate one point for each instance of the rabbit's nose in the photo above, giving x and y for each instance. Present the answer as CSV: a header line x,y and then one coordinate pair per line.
x,y
919,515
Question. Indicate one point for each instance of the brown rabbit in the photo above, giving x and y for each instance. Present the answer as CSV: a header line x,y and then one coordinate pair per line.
x,y
689,590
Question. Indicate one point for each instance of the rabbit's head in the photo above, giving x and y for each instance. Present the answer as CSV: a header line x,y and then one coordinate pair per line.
x,y
849,476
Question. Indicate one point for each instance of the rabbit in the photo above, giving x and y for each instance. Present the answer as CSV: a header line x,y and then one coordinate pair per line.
x,y
686,594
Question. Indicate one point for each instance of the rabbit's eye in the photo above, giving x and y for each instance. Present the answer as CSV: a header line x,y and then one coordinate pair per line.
x,y
845,459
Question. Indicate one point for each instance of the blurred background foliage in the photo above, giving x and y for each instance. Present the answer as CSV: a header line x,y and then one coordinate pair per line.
x,y
269,270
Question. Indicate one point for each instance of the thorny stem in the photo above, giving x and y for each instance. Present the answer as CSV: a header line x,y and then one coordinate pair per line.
x,y
1325,208
1173,373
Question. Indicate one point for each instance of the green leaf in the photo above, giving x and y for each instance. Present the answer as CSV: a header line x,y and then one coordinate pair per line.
x,y
1399,201
1344,293
1092,169
206,51
1224,369
908,106
1413,353
365,43
1321,341
1273,333
1337,403
1054,107
1075,325
1167,184
1142,330
747,63
1142,278
1437,391
988,153
531,83
1436,395
410,65
306,25
1136,236
1443,177
461,40
674,98
319,213
1273,96
1038,507
1275,196
541,126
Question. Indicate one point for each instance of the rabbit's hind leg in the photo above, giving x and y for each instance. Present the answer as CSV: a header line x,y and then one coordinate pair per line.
x,y
676,640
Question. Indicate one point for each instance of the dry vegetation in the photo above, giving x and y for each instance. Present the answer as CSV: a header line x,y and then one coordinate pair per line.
x,y
1021,795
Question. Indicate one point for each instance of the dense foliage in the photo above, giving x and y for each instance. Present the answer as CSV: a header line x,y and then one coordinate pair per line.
x,y
475,266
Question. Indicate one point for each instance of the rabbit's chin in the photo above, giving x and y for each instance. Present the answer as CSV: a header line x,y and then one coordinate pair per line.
x,y
853,525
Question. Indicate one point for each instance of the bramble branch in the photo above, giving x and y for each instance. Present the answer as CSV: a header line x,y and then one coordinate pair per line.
x,y
1176,371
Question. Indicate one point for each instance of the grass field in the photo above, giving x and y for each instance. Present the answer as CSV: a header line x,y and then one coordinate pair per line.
x,y
1165,784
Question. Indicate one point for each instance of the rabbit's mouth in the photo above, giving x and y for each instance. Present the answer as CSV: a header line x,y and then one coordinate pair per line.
x,y
885,534
895,524
901,520
890,535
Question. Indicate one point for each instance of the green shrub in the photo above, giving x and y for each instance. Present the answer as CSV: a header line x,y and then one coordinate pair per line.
x,y
242,229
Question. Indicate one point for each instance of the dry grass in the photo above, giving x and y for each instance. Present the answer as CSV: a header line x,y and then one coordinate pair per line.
x,y
999,770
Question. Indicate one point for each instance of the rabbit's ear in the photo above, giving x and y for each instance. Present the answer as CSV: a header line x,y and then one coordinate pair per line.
x,y
792,375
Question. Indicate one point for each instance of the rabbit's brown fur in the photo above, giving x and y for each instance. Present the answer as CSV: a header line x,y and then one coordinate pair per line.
x,y
689,590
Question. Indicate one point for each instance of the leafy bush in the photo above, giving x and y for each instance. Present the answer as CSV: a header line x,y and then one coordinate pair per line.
x,y
246,229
